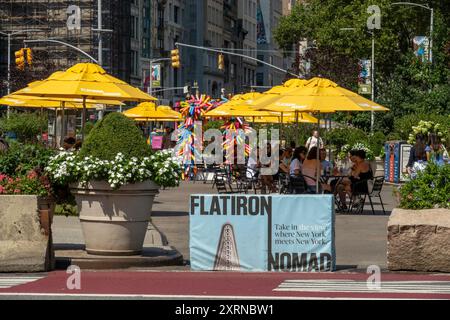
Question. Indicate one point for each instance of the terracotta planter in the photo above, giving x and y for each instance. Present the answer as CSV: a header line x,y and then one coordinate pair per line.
x,y
46,207
114,222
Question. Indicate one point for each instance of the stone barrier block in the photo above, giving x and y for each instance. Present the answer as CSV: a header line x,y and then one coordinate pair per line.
x,y
25,235
419,240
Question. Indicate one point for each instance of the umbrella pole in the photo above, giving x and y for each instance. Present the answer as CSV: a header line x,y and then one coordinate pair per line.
x,y
318,157
55,132
61,143
83,119
282,126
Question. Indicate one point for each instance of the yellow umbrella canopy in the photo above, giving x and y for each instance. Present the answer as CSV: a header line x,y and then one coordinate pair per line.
x,y
36,103
318,95
149,111
169,110
87,81
53,102
277,91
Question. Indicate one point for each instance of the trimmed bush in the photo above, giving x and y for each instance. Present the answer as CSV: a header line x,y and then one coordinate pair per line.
x,y
112,135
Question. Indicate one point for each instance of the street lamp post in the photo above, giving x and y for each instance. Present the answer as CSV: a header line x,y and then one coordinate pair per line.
x,y
431,21
372,116
9,35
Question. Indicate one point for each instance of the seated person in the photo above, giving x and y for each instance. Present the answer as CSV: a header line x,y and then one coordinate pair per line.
x,y
309,170
69,143
295,167
285,160
361,171
326,165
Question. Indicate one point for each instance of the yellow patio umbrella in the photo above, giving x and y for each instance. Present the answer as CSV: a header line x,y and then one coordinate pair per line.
x,y
86,81
170,111
149,111
271,117
14,100
318,95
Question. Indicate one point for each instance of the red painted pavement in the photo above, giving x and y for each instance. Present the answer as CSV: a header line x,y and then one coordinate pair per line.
x,y
215,284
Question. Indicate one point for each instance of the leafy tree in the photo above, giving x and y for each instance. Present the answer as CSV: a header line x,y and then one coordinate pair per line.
x,y
403,83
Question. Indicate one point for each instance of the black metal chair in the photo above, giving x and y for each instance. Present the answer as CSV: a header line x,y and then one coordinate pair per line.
x,y
378,183
200,172
246,179
360,191
222,185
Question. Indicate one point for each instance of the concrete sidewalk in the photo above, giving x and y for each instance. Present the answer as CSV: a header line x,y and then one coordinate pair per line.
x,y
360,239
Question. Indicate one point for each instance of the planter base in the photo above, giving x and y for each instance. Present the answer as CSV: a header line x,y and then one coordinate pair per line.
x,y
150,258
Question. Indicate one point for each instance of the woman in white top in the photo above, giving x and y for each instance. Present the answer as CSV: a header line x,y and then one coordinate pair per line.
x,y
299,156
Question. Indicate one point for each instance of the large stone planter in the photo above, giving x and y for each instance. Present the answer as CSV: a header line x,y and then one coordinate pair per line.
x,y
114,222
419,240
25,234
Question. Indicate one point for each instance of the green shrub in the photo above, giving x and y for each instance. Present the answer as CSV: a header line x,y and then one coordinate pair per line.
x,y
112,135
430,189
403,126
21,158
88,128
214,124
376,143
26,126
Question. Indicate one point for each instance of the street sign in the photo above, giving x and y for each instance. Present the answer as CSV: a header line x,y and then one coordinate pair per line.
x,y
156,76
422,48
364,77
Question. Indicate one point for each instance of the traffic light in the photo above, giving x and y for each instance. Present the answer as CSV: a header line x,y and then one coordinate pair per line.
x,y
29,57
221,62
175,56
20,59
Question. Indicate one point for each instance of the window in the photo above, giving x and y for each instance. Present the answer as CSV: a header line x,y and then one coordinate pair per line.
x,y
134,62
176,14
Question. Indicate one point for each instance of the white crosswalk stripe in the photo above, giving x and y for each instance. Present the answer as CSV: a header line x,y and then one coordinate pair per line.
x,y
12,281
427,287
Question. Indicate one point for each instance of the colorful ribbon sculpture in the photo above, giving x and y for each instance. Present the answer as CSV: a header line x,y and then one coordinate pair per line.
x,y
192,110
234,137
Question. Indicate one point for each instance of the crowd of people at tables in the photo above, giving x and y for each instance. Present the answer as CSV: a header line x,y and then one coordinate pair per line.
x,y
300,162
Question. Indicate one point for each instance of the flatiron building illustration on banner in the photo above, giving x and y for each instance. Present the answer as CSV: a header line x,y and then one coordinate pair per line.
x,y
227,258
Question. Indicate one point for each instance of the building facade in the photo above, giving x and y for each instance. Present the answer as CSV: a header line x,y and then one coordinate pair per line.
x,y
268,14
75,22
247,13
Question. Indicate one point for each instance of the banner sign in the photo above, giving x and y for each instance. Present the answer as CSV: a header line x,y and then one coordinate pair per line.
x,y
262,233
422,48
156,76
364,77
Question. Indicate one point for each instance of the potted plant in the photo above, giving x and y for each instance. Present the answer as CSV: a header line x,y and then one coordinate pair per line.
x,y
21,174
114,179
419,231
